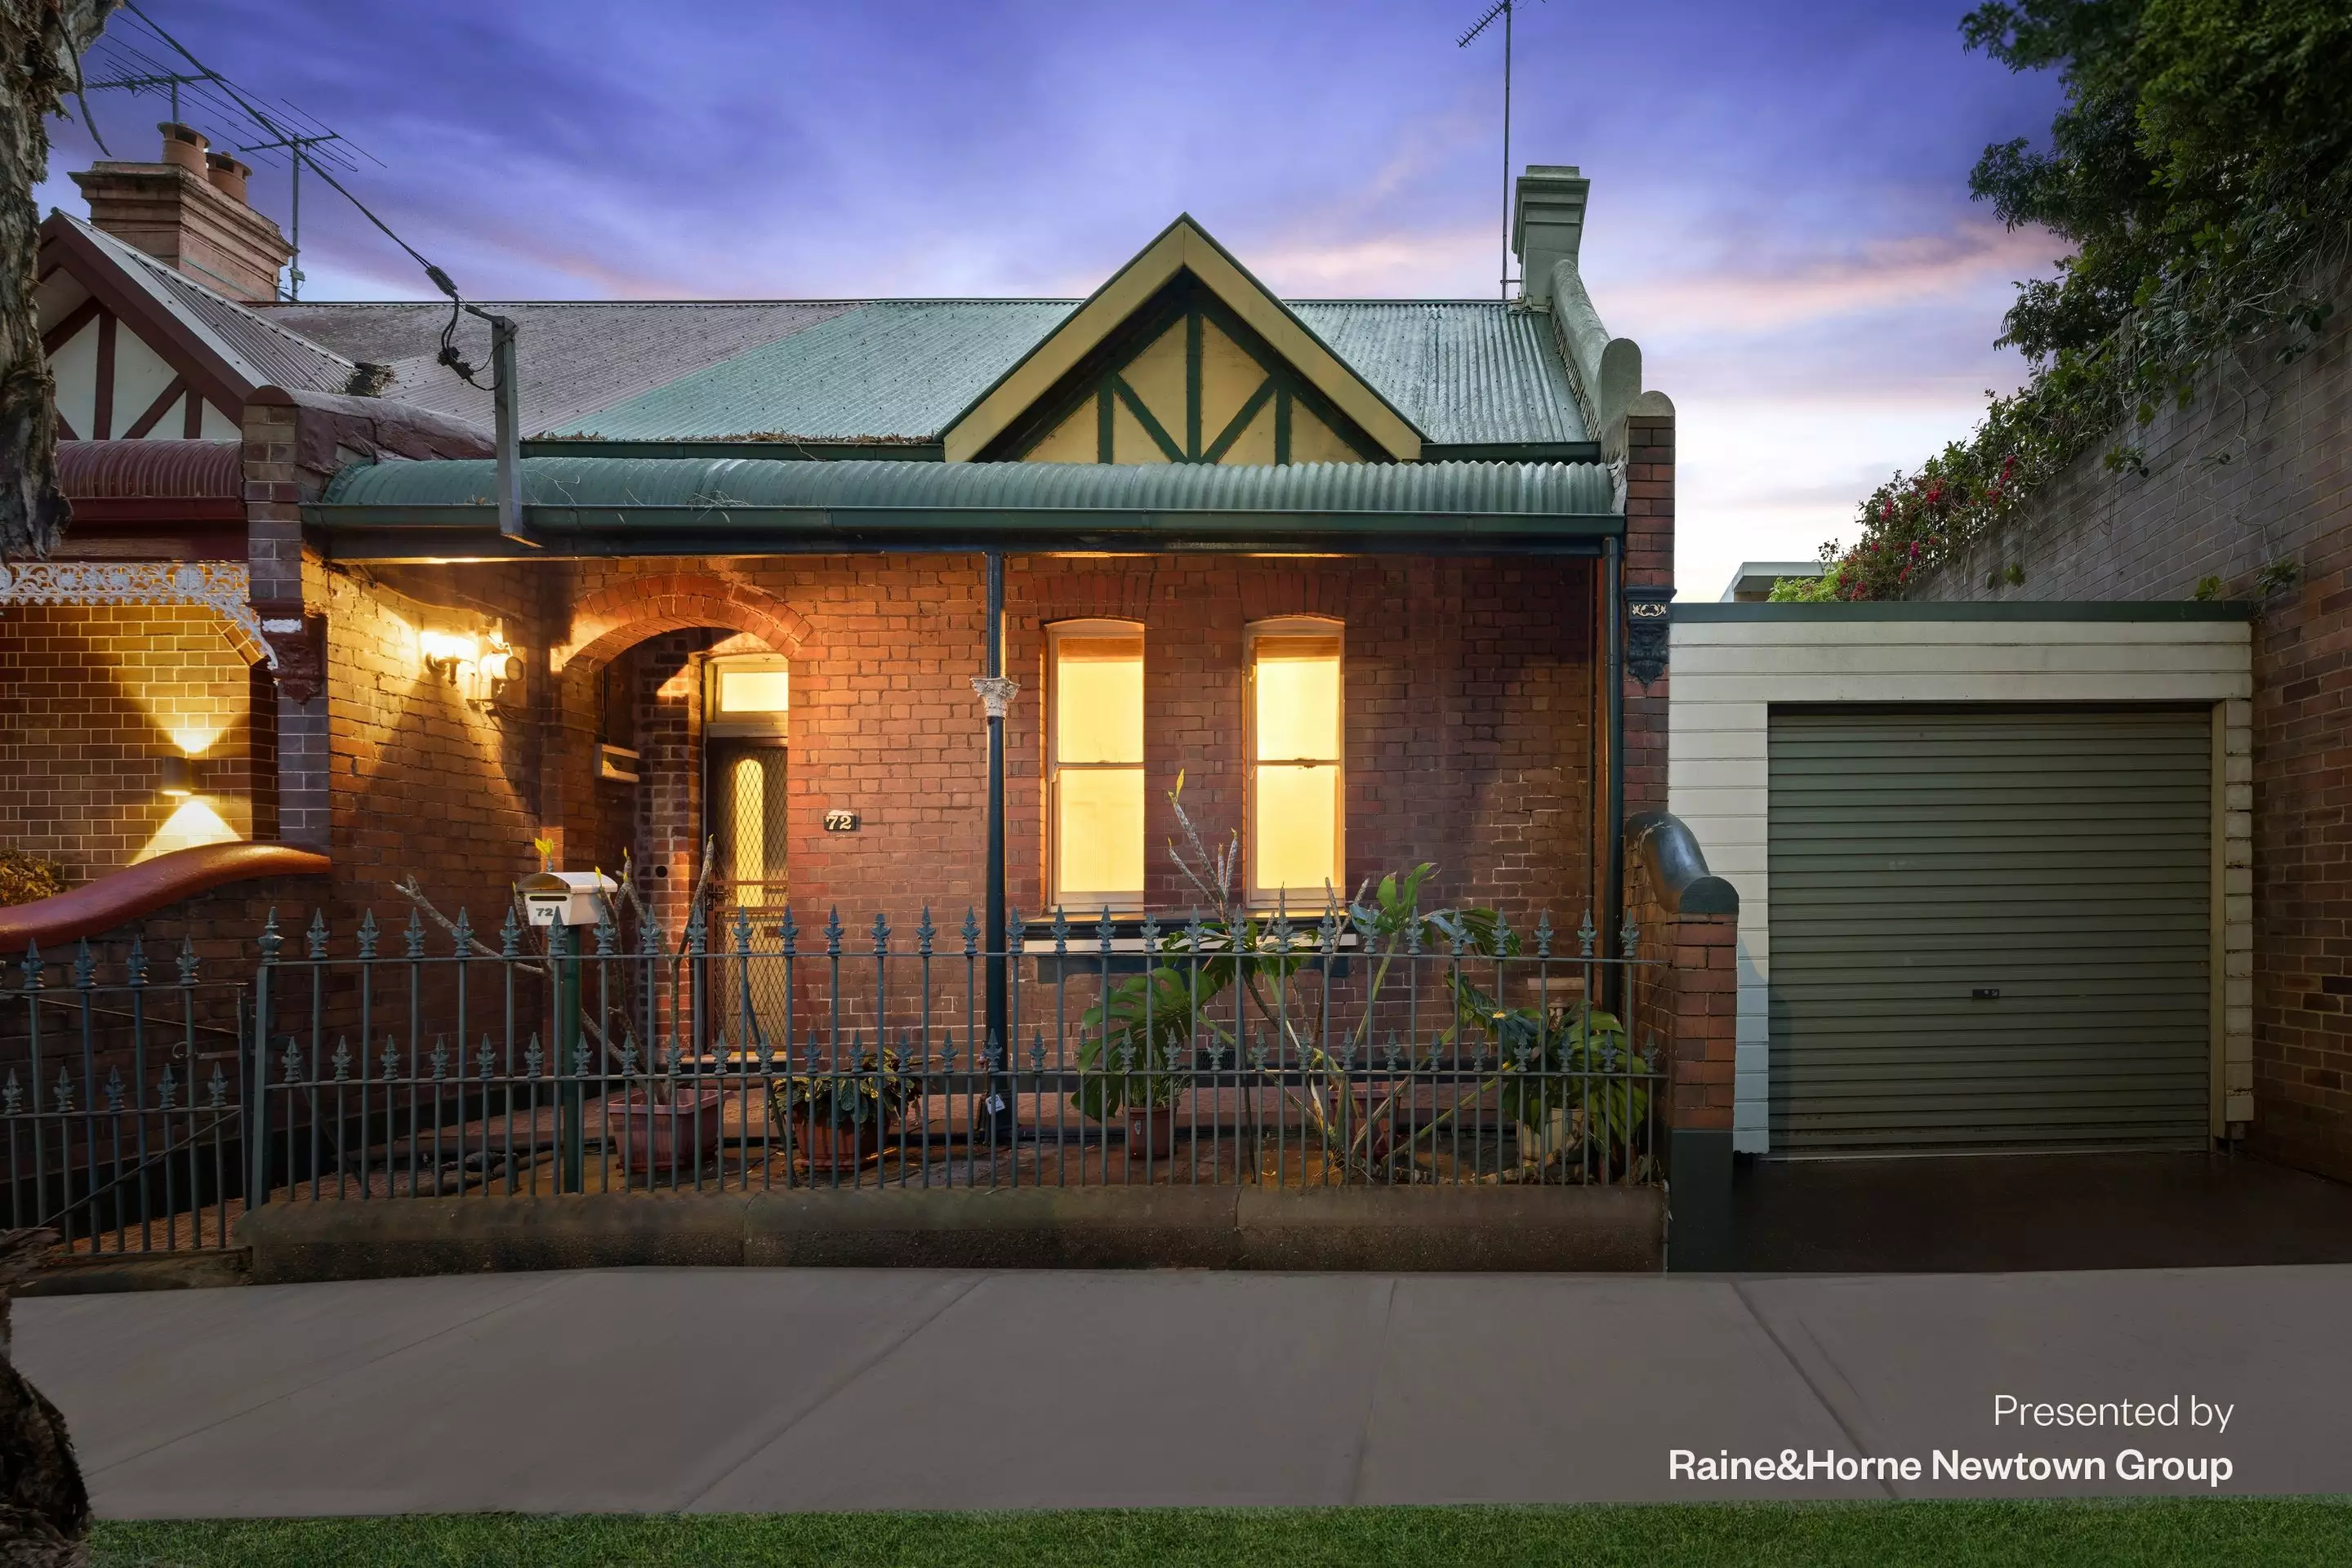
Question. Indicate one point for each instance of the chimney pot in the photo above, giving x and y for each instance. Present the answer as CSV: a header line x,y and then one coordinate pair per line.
x,y
212,234
185,146
227,174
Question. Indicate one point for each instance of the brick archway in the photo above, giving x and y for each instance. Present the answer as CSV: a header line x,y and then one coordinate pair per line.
x,y
617,617
622,613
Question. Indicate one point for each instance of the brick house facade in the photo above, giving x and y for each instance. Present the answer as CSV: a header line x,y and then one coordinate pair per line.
x,y
1453,491
1474,725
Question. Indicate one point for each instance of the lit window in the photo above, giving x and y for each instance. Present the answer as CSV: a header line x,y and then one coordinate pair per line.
x,y
747,695
1295,762
1095,781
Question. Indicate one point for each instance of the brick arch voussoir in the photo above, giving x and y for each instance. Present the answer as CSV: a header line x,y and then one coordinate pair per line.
x,y
618,616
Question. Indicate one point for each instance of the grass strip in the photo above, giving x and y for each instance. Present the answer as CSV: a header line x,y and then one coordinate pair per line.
x,y
1978,1534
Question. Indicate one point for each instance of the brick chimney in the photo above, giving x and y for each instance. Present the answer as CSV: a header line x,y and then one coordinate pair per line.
x,y
189,212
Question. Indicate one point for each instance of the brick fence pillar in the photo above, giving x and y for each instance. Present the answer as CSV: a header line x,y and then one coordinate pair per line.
x,y
1703,991
1686,990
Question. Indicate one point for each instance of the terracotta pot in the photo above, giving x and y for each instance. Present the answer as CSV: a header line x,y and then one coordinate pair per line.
x,y
822,1148
1150,1134
659,1138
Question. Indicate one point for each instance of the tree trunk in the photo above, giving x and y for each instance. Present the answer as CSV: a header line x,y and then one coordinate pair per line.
x,y
40,42
44,1510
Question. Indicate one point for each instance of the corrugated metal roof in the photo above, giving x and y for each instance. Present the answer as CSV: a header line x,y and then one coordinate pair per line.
x,y
574,356
1464,371
715,484
123,470
1467,372
263,353
889,369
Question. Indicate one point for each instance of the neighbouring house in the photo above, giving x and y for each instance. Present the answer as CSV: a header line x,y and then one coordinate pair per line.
x,y
1753,580
834,586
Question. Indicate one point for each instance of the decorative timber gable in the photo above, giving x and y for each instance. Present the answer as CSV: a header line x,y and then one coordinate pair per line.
x,y
139,353
1182,357
114,385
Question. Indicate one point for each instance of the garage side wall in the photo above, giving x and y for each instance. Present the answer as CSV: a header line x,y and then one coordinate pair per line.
x,y
1732,663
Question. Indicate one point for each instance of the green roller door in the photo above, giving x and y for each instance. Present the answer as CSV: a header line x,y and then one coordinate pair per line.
x,y
1990,928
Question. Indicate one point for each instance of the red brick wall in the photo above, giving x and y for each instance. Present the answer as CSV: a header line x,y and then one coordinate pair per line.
x,y
1468,682
91,703
426,780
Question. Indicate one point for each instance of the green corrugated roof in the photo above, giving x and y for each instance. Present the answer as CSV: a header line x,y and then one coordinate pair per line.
x,y
1464,371
890,370
752,506
718,484
1467,372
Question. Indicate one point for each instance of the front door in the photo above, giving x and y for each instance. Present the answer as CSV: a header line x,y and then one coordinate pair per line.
x,y
743,798
746,812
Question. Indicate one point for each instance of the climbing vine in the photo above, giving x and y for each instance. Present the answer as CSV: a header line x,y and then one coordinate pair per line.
x,y
2201,168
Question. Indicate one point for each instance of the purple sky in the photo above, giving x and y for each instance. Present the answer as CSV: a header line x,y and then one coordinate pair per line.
x,y
1780,210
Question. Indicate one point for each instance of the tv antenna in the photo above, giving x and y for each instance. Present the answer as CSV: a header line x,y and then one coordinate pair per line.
x,y
196,92
293,141
303,139
1504,9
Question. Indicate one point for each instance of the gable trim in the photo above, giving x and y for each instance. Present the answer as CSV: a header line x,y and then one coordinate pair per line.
x,y
1181,247
172,338
1098,380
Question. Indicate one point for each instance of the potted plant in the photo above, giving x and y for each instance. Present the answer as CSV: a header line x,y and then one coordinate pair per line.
x,y
666,1130
1562,1075
1135,1061
839,1115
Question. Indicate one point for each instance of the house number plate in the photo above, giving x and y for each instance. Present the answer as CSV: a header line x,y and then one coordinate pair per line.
x,y
841,822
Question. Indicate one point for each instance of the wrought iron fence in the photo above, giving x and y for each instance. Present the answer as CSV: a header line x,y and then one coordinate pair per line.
x,y
1369,1046
122,1100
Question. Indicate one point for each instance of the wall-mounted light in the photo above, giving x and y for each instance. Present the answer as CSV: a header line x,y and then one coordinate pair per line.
x,y
444,651
178,777
481,664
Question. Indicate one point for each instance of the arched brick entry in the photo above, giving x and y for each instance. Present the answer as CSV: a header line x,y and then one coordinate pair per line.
x,y
607,623
622,613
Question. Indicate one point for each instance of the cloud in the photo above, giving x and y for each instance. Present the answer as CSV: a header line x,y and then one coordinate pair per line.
x,y
1404,263
1904,272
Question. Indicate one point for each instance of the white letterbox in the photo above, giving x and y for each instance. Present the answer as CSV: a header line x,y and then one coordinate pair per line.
x,y
566,898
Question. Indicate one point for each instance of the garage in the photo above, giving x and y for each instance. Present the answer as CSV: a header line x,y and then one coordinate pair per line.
x,y
1995,867
1990,927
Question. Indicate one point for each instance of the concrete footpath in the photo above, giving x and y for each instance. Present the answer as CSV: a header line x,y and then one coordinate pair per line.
x,y
748,1389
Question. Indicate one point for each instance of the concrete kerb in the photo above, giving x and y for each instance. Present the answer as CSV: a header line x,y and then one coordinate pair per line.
x,y
1549,1229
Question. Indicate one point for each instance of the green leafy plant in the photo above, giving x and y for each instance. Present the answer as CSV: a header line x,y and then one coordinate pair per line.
x,y
1574,1058
1140,1039
27,879
873,1088
1137,1042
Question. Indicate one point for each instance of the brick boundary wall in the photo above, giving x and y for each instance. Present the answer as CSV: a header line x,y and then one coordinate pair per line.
x,y
2257,471
1686,998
